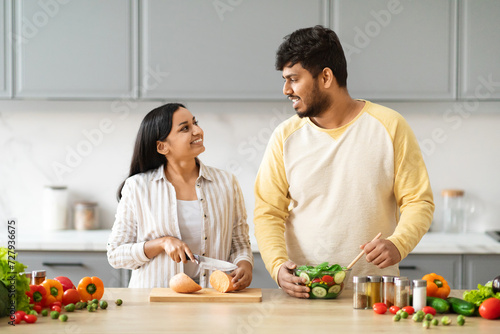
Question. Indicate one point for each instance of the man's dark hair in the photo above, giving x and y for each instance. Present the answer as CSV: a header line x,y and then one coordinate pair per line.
x,y
314,48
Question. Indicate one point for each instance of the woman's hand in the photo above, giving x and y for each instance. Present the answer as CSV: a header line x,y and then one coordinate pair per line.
x,y
177,249
242,277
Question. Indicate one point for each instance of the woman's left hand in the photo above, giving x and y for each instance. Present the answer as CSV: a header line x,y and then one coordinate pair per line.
x,y
242,277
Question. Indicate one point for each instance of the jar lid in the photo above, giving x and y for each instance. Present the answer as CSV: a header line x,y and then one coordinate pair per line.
x,y
375,278
452,193
419,283
359,279
388,279
85,204
39,273
57,187
402,282
27,274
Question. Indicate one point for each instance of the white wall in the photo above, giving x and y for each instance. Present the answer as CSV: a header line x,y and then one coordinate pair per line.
x,y
461,149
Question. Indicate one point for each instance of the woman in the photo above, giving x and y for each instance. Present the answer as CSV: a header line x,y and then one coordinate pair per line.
x,y
172,206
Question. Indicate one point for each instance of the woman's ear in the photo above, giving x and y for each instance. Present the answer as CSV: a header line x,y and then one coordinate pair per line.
x,y
162,147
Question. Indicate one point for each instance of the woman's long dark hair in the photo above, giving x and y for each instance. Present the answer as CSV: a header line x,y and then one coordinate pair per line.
x,y
155,126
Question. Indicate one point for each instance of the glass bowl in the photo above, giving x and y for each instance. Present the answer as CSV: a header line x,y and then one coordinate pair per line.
x,y
324,281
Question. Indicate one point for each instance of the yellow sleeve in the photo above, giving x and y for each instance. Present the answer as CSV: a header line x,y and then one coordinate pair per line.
x,y
271,206
412,189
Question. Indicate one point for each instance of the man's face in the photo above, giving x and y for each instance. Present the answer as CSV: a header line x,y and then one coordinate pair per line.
x,y
304,91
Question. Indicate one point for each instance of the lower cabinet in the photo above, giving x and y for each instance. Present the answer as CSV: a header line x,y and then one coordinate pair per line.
x,y
74,265
479,269
260,276
449,266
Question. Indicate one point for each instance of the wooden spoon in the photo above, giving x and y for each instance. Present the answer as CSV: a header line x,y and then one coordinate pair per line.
x,y
362,252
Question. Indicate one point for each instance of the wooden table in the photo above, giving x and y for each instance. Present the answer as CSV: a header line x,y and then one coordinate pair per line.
x,y
277,313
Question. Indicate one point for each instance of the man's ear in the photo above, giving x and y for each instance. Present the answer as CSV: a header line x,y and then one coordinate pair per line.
x,y
327,78
162,147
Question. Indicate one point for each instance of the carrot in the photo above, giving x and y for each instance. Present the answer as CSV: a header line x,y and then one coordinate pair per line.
x,y
182,283
221,281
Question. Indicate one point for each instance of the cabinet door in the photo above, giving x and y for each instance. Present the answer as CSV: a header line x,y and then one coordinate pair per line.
x,y
398,49
479,269
5,49
480,49
67,49
73,265
260,276
448,266
225,49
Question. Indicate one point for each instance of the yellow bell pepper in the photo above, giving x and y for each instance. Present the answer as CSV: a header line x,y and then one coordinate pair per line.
x,y
54,291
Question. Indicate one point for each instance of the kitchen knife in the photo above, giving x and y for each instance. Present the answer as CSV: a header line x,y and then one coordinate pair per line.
x,y
210,263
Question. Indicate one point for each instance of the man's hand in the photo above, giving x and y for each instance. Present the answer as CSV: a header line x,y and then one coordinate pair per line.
x,y
291,283
381,253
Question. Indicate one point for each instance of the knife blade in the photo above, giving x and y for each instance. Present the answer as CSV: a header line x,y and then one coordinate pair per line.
x,y
210,263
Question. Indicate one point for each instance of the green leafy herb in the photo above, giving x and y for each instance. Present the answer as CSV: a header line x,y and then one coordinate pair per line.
x,y
10,271
482,293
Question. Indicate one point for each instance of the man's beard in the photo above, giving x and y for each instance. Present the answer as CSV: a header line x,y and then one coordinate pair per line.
x,y
319,103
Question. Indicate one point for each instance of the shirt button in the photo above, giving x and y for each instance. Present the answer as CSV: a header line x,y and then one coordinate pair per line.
x,y
206,238
205,216
203,254
198,185
201,199
204,275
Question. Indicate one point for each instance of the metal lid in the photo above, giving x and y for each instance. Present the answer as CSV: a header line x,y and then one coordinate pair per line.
x,y
402,282
85,204
388,279
57,187
419,283
452,193
359,279
39,273
27,274
375,278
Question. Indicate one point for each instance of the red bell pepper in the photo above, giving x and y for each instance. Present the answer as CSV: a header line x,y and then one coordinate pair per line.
x,y
37,294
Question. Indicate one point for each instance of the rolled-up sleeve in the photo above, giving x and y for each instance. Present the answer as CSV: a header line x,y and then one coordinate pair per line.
x,y
123,250
240,248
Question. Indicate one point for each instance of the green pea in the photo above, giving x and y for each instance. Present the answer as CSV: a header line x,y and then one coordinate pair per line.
x,y
428,316
404,315
70,308
426,324
119,302
63,317
45,312
54,314
103,304
460,320
396,318
435,322
445,321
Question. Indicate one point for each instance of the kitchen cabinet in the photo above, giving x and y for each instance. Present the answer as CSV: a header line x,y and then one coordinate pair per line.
x,y
260,276
415,266
479,49
399,50
72,49
479,269
5,49
74,265
218,49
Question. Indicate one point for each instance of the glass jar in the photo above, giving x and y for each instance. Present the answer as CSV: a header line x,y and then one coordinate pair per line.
x,y
39,276
86,216
28,275
401,292
419,294
374,290
55,207
388,290
360,298
453,211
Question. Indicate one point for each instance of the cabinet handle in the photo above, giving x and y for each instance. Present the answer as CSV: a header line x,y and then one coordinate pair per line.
x,y
407,267
66,264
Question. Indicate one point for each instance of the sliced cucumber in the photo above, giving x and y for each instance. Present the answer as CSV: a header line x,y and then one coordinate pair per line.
x,y
304,275
339,277
334,289
319,292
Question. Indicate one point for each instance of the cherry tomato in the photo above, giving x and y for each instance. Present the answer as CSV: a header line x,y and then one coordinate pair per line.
x,y
327,279
393,309
409,309
490,308
56,308
380,308
37,308
19,316
71,296
55,304
316,280
30,318
429,309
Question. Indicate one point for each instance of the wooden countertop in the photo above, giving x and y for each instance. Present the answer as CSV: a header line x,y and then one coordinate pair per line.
x,y
277,313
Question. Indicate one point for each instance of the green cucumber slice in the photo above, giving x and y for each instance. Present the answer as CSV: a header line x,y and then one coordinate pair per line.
x,y
304,275
334,289
339,277
319,292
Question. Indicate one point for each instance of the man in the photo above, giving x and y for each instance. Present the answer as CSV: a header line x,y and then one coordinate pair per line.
x,y
337,173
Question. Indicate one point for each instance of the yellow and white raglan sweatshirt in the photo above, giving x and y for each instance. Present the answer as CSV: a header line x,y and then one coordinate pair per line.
x,y
321,193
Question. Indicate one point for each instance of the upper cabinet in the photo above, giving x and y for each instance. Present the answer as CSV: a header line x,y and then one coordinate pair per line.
x,y
480,49
5,49
222,49
68,49
398,50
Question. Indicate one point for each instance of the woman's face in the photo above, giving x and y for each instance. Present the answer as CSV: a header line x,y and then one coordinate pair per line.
x,y
185,140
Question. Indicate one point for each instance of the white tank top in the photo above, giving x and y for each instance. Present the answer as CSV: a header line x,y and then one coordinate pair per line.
x,y
190,225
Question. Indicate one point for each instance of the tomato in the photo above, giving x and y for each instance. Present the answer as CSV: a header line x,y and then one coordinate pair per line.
x,y
18,317
394,309
316,280
380,308
327,279
55,304
70,296
429,309
37,308
409,309
65,282
30,318
490,308
55,308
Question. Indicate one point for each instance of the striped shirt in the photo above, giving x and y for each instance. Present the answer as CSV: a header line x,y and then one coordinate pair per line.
x,y
148,210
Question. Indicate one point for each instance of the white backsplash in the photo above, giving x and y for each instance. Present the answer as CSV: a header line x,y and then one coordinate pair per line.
x,y
87,146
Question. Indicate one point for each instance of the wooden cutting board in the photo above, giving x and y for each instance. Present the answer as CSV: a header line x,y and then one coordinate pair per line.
x,y
252,295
